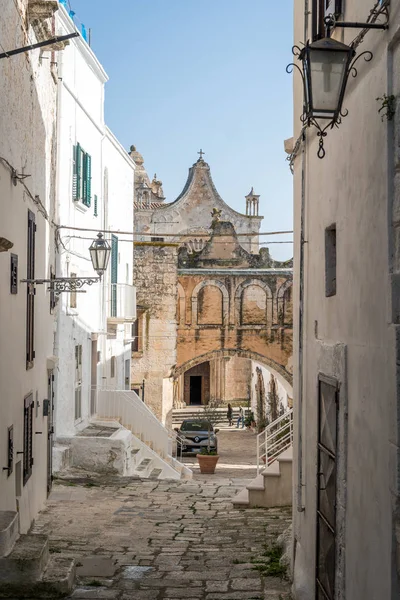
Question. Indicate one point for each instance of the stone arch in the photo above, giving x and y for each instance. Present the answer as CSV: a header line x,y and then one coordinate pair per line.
x,y
225,299
283,315
181,308
228,353
238,299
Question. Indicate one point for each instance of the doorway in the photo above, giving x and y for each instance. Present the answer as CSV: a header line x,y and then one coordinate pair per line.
x,y
328,406
50,429
195,390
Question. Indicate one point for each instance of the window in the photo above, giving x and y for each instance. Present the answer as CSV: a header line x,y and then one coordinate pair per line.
x,y
321,9
78,382
28,438
112,364
157,239
30,301
135,336
95,206
73,295
330,261
82,176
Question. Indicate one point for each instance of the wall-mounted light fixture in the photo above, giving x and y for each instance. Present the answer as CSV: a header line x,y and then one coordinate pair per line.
x,y
100,251
326,67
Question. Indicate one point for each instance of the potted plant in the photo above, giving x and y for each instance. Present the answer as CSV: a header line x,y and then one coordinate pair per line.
x,y
208,456
250,420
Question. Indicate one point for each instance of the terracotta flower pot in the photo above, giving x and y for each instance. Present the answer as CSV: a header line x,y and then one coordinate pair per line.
x,y
207,463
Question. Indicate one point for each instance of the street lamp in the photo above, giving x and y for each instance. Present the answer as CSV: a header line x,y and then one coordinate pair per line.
x,y
100,251
326,68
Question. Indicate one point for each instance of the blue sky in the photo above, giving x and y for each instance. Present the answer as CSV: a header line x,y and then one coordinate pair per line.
x,y
210,74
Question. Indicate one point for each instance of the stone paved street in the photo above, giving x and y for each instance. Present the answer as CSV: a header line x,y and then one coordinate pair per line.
x,y
153,540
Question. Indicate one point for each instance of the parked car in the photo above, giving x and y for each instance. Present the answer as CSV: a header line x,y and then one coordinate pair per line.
x,y
194,436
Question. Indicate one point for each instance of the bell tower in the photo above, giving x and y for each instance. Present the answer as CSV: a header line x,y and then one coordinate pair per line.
x,y
252,204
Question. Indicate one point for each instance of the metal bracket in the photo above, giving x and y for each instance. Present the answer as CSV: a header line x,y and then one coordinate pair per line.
x,y
57,285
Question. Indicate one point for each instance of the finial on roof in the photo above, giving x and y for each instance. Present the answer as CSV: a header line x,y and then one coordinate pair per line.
x,y
133,148
201,154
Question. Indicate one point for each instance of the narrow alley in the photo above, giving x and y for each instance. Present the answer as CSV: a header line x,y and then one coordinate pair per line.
x,y
164,540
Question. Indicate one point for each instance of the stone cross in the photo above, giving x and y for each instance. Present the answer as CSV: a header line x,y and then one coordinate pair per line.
x,y
201,153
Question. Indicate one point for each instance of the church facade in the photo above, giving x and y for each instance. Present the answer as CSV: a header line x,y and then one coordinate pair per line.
x,y
214,309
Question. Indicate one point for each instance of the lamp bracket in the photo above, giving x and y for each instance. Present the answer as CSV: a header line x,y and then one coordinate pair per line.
x,y
57,285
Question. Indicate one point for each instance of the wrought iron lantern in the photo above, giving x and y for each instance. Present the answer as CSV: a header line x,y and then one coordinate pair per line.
x,y
100,251
326,65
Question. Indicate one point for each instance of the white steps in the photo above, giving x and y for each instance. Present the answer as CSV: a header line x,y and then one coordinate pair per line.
x,y
272,487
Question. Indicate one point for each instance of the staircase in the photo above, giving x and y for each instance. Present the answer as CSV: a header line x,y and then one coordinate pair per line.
x,y
273,484
195,412
152,446
27,570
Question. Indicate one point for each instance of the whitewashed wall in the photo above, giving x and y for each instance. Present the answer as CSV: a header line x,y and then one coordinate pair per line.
x,y
80,121
27,142
350,336
119,218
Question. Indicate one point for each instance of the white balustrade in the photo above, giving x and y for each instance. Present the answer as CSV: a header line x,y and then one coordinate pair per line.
x,y
275,439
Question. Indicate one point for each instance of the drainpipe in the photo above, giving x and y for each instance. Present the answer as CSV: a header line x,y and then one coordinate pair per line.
x,y
299,493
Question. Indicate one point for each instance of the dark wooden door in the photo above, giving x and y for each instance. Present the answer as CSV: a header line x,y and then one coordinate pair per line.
x,y
328,398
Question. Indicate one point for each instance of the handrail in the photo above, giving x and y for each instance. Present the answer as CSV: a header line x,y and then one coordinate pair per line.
x,y
126,407
275,439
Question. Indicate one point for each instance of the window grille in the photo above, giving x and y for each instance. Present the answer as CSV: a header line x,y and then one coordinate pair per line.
x,y
28,438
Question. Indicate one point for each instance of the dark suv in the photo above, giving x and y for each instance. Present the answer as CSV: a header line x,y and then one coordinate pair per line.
x,y
194,437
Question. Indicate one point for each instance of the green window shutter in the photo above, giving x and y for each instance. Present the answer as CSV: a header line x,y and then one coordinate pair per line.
x,y
84,178
114,274
78,166
114,259
88,180
95,206
74,173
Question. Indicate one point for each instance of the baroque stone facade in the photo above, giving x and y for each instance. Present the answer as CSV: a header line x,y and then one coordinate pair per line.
x,y
211,304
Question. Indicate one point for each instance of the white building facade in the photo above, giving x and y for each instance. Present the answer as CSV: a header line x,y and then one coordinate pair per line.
x,y
346,502
28,148
94,193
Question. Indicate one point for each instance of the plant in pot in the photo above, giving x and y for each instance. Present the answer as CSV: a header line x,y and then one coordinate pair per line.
x,y
250,420
208,457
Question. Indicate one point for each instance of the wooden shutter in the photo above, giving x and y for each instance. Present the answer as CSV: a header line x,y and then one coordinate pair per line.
x,y
114,274
87,179
74,173
95,206
28,438
78,167
321,9
30,301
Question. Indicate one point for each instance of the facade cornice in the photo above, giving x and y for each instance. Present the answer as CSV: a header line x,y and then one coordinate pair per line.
x,y
229,272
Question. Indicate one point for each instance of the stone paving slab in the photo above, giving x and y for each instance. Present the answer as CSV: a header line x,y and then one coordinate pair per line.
x,y
165,540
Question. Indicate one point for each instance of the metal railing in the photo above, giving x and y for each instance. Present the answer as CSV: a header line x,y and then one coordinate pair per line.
x,y
127,408
275,439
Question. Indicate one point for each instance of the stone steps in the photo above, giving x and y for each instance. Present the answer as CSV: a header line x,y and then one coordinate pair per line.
x,y
29,571
272,487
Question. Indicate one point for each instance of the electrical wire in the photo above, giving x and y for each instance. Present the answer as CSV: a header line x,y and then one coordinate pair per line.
x,y
173,235
81,237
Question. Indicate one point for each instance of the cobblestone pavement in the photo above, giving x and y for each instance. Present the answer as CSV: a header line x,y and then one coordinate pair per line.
x,y
166,540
